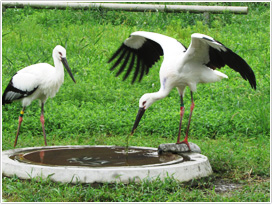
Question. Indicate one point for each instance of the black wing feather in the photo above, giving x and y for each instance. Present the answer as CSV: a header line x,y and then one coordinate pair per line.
x,y
116,53
124,64
143,68
147,55
119,59
132,61
12,93
137,69
221,58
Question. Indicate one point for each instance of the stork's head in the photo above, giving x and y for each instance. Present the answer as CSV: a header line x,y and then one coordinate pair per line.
x,y
145,102
59,53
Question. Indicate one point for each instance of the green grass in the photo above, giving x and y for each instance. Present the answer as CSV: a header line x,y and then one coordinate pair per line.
x,y
230,122
168,190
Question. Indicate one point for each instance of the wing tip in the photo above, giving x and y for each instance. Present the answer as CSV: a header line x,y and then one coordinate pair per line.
x,y
253,84
4,101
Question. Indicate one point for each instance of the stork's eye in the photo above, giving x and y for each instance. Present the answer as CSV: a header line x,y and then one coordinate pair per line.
x,y
60,53
144,103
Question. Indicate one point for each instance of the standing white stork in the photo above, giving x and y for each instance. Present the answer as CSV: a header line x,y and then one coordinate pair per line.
x,y
181,67
38,81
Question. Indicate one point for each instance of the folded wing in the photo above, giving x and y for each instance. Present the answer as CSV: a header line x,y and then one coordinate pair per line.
x,y
21,85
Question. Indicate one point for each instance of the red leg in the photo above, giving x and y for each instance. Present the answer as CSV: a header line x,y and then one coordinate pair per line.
x,y
42,121
19,126
181,117
187,131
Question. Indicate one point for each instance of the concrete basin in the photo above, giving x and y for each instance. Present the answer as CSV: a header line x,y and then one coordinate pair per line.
x,y
100,164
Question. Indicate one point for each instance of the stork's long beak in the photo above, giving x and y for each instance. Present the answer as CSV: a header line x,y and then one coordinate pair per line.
x,y
65,63
140,114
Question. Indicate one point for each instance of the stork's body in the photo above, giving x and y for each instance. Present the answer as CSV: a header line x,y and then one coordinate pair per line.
x,y
181,67
39,81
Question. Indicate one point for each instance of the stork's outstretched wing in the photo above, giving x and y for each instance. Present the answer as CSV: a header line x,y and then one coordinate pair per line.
x,y
141,50
214,54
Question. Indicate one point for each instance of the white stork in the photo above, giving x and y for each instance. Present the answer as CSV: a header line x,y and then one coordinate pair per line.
x,y
181,67
38,81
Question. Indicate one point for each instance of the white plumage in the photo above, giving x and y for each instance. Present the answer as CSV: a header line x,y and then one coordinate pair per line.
x,y
181,67
39,81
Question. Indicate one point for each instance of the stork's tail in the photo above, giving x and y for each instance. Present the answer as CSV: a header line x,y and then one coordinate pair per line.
x,y
220,75
211,76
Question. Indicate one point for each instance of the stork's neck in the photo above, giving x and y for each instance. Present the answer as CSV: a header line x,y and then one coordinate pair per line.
x,y
162,93
58,65
150,98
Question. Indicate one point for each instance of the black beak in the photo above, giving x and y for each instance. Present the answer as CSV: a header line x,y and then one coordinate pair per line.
x,y
140,114
65,63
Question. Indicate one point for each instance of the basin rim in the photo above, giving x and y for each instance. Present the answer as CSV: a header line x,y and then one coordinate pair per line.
x,y
198,167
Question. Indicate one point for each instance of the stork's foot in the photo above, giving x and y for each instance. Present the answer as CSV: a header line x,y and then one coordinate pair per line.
x,y
185,142
179,148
